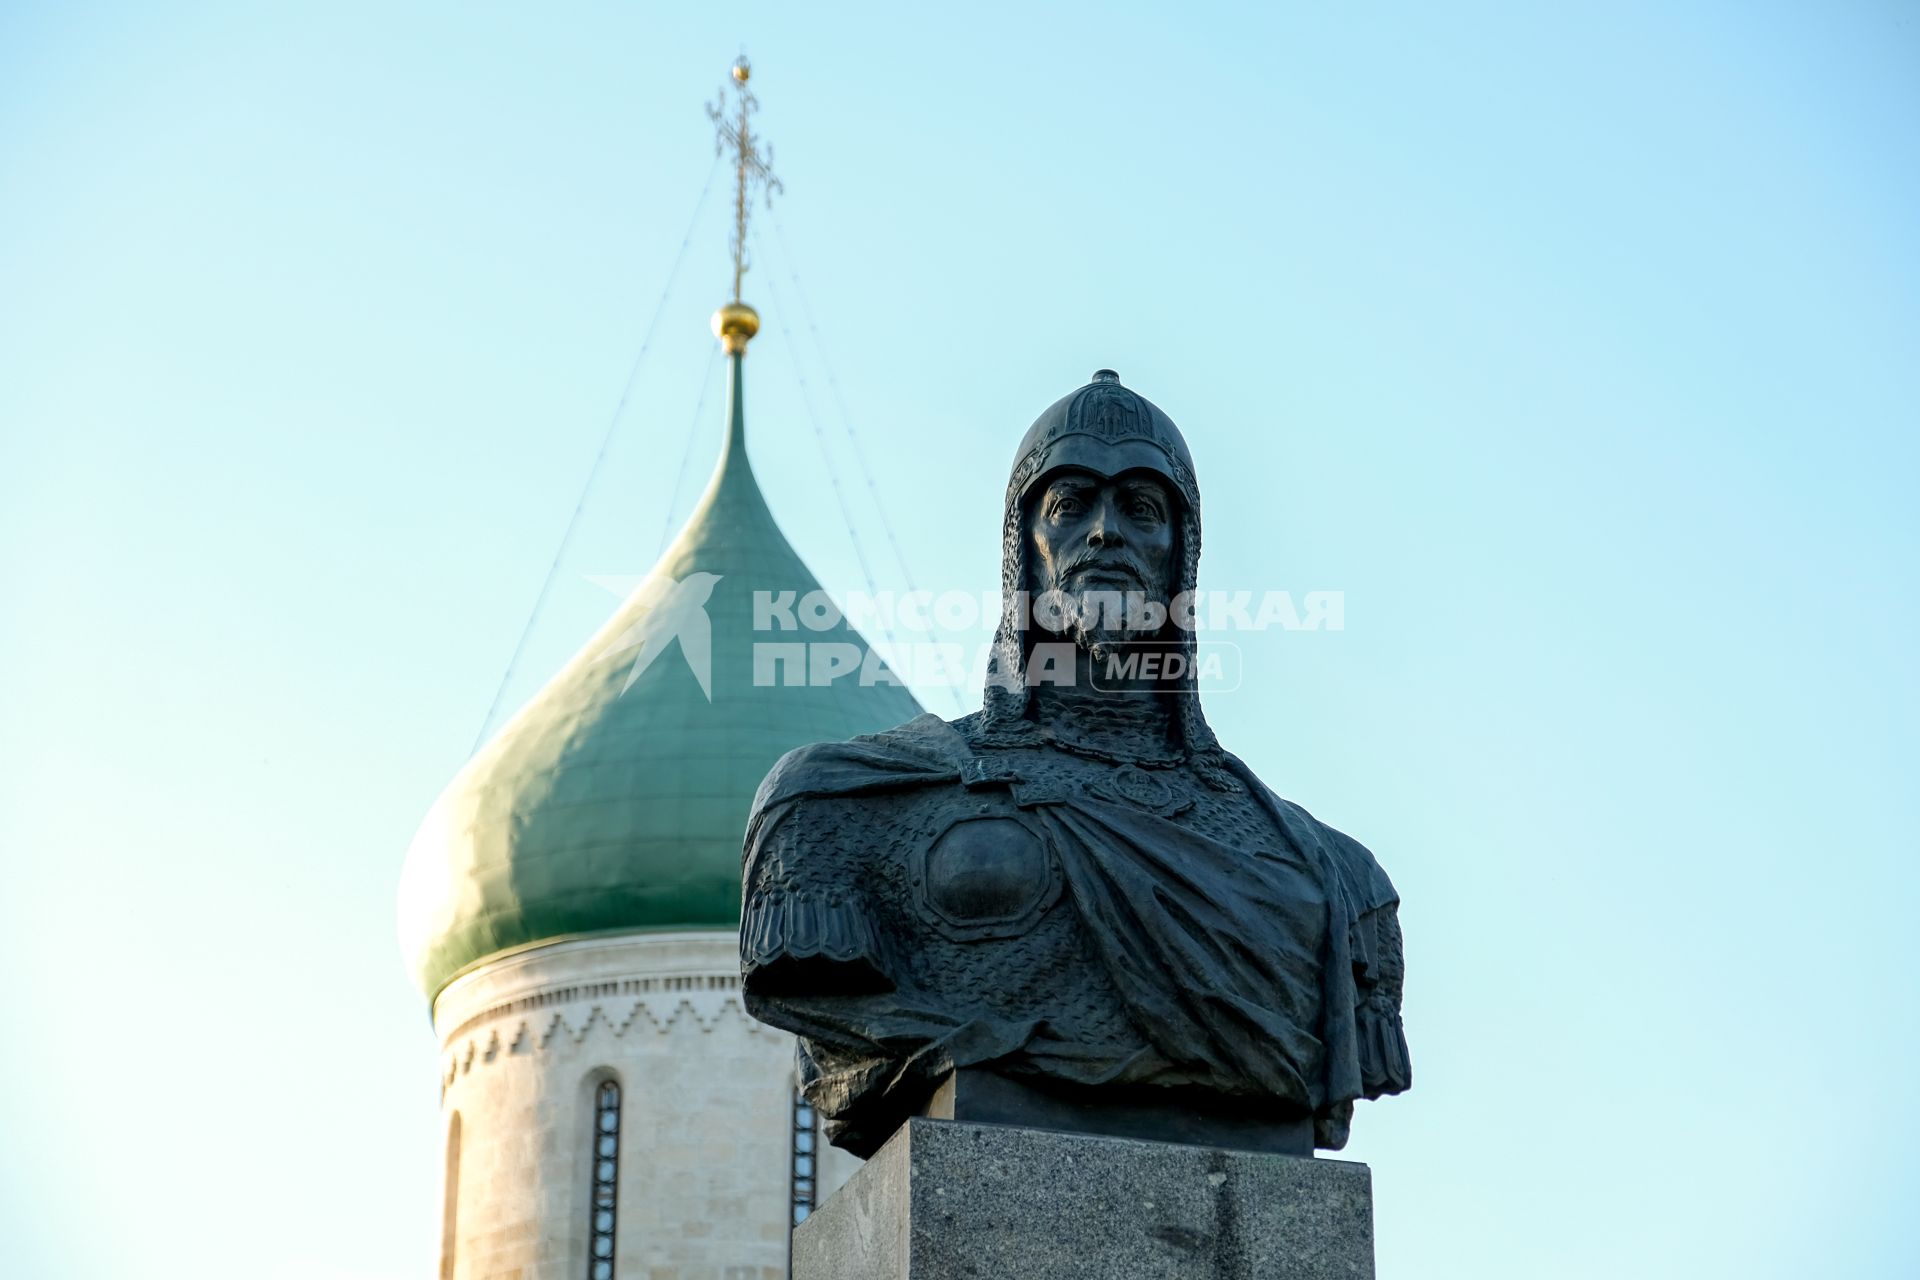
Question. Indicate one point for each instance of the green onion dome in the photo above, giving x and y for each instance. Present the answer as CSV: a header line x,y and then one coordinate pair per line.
x,y
615,801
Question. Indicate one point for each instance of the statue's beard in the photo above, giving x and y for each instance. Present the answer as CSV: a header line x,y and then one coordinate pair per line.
x,y
1103,627
1100,639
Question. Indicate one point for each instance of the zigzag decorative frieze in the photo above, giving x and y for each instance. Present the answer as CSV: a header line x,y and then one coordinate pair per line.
x,y
536,1033
597,990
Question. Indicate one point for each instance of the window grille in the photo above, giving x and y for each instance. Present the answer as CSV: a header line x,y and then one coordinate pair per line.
x,y
806,1140
603,1203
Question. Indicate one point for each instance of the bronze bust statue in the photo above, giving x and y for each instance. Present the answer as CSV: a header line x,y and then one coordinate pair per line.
x,y
1073,908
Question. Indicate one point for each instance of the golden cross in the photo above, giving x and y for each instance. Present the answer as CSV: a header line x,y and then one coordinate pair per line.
x,y
753,164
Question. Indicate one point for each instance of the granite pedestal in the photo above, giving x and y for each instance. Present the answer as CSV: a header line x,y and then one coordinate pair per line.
x,y
945,1199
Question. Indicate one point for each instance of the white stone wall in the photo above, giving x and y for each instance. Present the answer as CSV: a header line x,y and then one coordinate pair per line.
x,y
707,1092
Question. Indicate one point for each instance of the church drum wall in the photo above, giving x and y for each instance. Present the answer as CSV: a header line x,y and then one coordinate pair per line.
x,y
706,1113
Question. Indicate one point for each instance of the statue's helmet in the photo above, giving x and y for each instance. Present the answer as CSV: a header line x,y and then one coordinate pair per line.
x,y
1105,428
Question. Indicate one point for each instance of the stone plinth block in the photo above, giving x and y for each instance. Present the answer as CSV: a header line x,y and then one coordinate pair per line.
x,y
947,1199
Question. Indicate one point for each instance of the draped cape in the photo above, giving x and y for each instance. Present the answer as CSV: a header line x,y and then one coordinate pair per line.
x,y
1193,933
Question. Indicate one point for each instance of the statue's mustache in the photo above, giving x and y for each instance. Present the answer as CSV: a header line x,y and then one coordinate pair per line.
x,y
1108,564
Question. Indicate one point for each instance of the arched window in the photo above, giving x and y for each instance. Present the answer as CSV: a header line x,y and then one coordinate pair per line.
x,y
806,1138
450,1207
603,1203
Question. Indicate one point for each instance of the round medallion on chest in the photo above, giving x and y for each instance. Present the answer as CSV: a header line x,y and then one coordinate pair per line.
x,y
1135,786
987,877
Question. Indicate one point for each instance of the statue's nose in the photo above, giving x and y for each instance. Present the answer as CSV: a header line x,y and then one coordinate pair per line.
x,y
1105,529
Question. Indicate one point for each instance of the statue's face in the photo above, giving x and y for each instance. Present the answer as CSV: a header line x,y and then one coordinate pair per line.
x,y
1089,533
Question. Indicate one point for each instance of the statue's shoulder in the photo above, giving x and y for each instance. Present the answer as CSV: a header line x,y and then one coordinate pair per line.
x,y
1365,879
924,751
817,843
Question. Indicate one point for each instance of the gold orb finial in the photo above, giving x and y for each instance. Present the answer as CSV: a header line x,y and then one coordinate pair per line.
x,y
734,324
742,69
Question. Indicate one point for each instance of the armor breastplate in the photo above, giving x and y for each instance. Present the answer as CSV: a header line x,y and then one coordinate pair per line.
x,y
985,876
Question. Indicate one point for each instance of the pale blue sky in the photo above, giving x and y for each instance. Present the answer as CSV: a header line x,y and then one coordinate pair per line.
x,y
1575,344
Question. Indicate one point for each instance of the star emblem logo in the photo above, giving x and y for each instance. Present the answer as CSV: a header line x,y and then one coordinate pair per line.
x,y
672,610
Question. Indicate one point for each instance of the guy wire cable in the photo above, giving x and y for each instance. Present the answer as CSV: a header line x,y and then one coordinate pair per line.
x,y
820,438
606,439
846,424
686,452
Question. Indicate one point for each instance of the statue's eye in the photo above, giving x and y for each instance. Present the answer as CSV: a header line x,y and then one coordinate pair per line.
x,y
1067,505
1144,510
